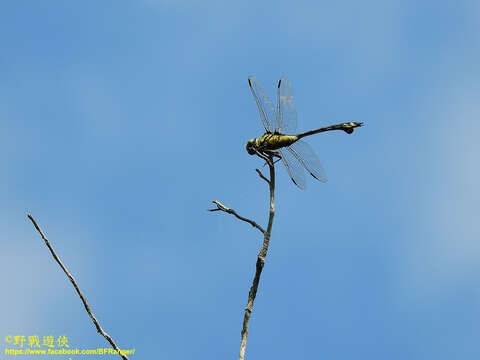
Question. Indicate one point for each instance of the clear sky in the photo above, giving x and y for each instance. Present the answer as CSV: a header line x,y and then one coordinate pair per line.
x,y
120,121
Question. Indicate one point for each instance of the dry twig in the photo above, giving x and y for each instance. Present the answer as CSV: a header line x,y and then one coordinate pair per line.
x,y
79,292
260,261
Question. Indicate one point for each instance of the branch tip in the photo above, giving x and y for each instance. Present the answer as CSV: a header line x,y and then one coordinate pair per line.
x,y
221,207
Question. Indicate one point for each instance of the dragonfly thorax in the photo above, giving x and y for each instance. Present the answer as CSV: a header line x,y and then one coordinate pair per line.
x,y
269,142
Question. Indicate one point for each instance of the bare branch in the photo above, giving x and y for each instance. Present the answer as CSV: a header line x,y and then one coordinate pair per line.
x,y
72,280
260,260
221,207
268,157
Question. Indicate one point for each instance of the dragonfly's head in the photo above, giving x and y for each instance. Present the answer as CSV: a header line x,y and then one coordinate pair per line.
x,y
250,146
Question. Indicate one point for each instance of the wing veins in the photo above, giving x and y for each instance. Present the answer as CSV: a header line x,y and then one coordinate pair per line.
x,y
295,172
263,115
312,165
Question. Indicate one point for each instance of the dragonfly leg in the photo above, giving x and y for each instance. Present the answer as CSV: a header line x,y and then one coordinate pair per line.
x,y
265,155
272,154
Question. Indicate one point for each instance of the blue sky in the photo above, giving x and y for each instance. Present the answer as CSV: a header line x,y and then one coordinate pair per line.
x,y
121,121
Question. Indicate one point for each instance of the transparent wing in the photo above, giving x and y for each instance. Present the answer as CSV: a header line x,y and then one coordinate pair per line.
x,y
307,157
286,119
264,104
294,169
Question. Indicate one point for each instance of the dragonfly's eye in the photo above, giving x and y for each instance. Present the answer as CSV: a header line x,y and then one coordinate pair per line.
x,y
250,147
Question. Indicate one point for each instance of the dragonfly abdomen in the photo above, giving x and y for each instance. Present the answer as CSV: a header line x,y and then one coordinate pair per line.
x,y
347,127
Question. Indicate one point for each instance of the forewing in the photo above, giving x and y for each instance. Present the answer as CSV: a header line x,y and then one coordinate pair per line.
x,y
294,169
264,104
304,153
286,117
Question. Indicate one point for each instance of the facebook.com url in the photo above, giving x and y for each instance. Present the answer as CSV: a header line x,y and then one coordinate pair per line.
x,y
99,351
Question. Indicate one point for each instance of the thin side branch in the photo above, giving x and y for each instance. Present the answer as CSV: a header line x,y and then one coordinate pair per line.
x,y
261,175
260,259
72,280
221,207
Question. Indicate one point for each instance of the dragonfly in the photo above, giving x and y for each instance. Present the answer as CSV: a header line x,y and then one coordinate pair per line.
x,y
280,141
